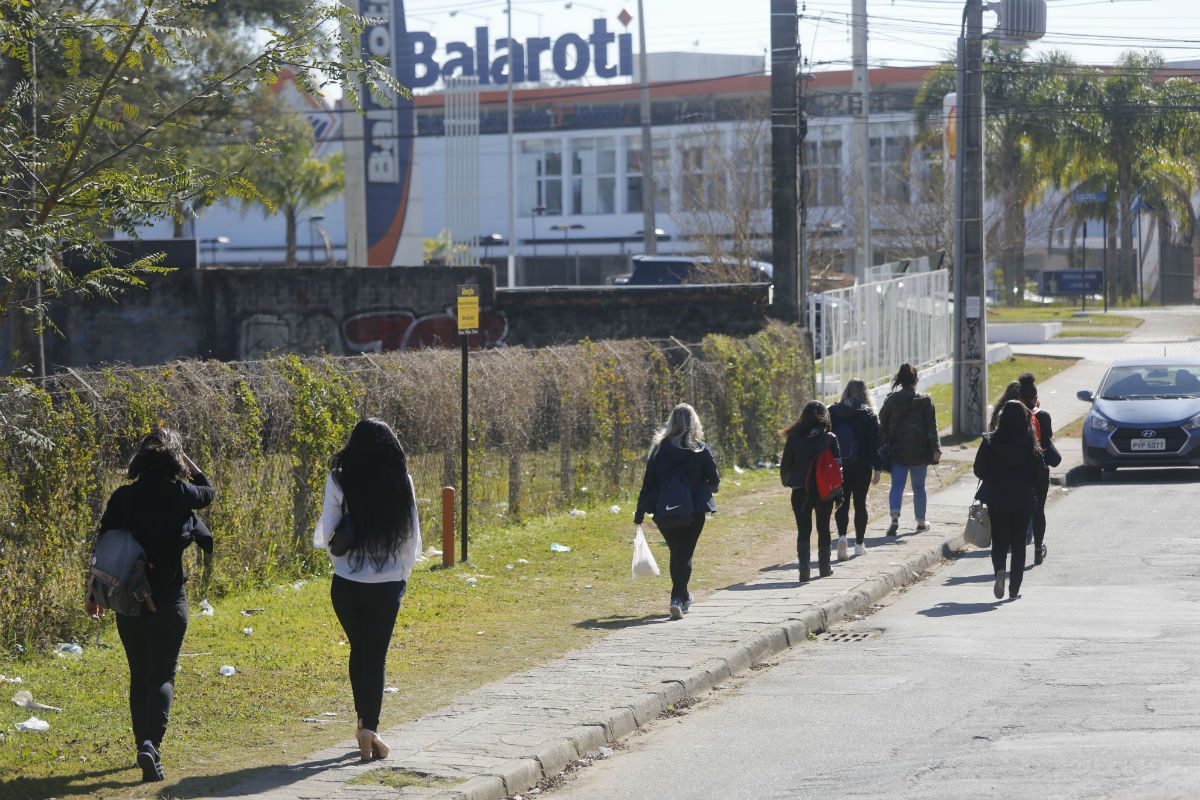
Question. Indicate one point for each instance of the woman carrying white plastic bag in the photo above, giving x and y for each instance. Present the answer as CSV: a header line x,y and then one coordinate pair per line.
x,y
644,564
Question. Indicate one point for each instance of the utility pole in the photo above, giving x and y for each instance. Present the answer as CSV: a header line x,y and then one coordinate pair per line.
x,y
649,239
970,346
512,194
785,53
861,89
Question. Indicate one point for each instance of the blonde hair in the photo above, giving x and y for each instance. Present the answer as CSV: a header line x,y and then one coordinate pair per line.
x,y
683,429
856,389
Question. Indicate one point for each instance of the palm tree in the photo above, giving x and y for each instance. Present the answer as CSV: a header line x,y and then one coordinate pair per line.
x,y
1022,99
290,180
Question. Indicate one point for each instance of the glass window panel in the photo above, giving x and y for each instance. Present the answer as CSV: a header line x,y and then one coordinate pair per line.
x,y
633,195
553,197
606,195
606,156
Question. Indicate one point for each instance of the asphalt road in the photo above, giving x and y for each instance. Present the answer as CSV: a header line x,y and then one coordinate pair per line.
x,y
1088,686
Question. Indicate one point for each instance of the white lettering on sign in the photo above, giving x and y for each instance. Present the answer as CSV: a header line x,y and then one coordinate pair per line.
x,y
972,307
383,133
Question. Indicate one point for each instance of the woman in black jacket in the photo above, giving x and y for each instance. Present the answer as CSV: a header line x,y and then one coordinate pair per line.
x,y
805,441
157,508
678,454
909,432
1008,463
1043,427
857,428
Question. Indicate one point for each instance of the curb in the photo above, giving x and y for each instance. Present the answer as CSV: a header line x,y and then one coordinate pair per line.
x,y
552,756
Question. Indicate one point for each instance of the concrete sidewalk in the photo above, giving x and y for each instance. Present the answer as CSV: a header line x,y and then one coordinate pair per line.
x,y
503,738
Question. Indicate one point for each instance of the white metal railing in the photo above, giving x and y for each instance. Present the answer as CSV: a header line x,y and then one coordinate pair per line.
x,y
868,331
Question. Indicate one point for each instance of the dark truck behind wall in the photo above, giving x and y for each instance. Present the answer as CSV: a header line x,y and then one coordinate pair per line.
x,y
674,270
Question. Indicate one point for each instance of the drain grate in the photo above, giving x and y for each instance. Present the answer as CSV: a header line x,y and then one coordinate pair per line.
x,y
848,637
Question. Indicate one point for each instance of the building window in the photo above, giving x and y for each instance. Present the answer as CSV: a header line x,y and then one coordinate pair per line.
x,y
594,176
698,165
889,169
540,171
823,167
661,149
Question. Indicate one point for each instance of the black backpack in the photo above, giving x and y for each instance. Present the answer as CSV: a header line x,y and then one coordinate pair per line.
x,y
117,574
673,509
847,441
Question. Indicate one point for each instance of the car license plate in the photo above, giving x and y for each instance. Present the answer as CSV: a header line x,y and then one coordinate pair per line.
x,y
1147,444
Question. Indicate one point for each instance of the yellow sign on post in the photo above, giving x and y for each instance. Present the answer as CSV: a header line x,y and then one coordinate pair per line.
x,y
468,308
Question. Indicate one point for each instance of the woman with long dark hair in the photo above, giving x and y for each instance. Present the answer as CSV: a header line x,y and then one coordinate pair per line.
x,y
806,438
157,508
909,432
1011,392
369,482
857,430
1042,428
1008,463
679,461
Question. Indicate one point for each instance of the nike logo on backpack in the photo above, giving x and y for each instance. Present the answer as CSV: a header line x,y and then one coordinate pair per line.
x,y
671,508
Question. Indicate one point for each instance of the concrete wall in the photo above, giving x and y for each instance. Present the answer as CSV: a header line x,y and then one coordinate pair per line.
x,y
245,314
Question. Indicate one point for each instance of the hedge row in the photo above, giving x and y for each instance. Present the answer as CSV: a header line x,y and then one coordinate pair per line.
x,y
548,429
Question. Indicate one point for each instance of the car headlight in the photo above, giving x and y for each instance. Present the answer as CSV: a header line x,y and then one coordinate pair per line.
x,y
1192,424
1099,423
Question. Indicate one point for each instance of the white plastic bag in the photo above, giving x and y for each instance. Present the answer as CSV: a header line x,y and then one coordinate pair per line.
x,y
643,559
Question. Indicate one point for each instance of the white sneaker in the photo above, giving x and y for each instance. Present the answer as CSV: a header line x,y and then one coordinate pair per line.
x,y
859,549
842,548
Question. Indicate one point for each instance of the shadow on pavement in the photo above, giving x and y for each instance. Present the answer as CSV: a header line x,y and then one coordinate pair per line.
x,y
616,623
959,581
1131,476
756,587
958,609
81,784
256,779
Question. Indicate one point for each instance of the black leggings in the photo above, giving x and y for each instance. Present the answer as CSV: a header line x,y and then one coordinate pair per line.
x,y
367,612
856,480
682,544
152,642
1041,488
803,511
1008,534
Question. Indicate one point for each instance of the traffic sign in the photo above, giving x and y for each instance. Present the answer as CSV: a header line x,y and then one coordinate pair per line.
x,y
1089,197
468,308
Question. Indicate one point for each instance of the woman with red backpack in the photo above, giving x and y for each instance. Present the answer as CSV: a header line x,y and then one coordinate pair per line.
x,y
801,469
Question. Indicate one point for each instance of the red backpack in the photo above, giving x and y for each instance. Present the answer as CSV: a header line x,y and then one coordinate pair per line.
x,y
829,474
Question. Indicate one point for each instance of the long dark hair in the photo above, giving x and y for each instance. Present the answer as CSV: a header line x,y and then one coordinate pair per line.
x,y
1028,391
1011,392
373,473
160,452
906,377
1013,424
814,415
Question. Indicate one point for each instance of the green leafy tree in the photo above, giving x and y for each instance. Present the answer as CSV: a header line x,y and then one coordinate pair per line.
x,y
104,155
1023,100
290,179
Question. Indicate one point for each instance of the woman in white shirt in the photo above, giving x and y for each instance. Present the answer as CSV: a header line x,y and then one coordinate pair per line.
x,y
369,481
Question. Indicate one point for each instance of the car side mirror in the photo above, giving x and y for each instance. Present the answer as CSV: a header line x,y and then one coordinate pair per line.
x,y
1085,394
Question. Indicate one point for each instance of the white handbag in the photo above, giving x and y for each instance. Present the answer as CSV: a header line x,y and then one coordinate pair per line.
x,y
643,559
979,526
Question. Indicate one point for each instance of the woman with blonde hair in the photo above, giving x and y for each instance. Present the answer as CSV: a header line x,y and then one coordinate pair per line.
x,y
857,430
677,489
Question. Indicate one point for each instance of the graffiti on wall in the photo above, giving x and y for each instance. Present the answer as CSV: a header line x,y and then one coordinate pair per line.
x,y
371,332
384,331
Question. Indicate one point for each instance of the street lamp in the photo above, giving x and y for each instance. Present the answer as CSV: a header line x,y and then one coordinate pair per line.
x,y
535,13
572,4
312,235
456,12
212,247
566,228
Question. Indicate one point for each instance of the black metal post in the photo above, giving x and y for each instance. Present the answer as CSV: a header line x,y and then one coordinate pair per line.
x,y
1104,263
784,185
1083,273
465,446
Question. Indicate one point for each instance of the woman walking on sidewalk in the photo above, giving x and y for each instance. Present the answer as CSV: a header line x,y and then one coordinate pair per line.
x,y
1008,464
805,440
677,488
157,508
857,430
909,432
1050,457
369,483
1011,392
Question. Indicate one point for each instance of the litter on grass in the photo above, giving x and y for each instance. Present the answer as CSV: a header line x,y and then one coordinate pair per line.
x,y
560,548
10,680
33,724
206,609
614,509
577,512
250,612
298,584
247,631
522,560
227,670
24,699
738,470
472,580
68,647
390,690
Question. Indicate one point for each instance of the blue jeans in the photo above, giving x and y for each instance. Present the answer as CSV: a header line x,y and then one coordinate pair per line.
x,y
900,475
